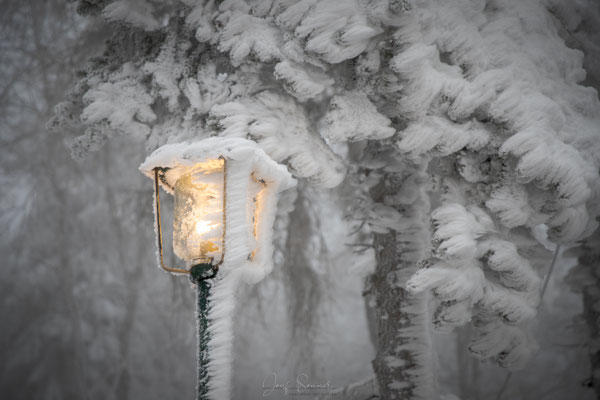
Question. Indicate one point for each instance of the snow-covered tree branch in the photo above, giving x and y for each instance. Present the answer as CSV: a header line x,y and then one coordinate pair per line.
x,y
443,149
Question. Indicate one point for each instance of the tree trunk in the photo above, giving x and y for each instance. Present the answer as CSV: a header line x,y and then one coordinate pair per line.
x,y
403,363
589,261
305,285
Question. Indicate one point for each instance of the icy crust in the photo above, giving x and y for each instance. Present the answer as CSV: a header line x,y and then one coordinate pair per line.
x,y
442,137
494,94
418,343
468,66
303,81
222,305
282,128
482,274
135,12
351,116
179,156
446,68
246,162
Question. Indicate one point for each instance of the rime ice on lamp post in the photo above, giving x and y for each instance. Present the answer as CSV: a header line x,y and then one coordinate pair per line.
x,y
226,192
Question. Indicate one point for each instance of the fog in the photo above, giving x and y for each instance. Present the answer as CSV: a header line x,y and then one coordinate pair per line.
x,y
87,314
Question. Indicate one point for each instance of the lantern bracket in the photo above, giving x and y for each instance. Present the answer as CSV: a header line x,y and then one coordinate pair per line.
x,y
203,271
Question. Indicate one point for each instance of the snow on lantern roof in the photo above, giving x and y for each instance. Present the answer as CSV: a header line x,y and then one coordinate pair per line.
x,y
247,207
178,157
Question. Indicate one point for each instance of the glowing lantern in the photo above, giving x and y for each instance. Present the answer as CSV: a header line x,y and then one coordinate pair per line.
x,y
226,192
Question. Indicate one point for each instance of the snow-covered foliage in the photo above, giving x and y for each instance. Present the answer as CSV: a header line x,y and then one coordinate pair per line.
x,y
304,81
138,13
351,116
270,120
122,103
485,91
508,130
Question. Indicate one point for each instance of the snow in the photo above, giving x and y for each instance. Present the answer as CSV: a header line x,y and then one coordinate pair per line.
x,y
513,344
124,102
245,35
442,137
213,90
135,12
491,93
335,30
497,73
272,119
395,362
220,345
418,342
166,72
495,93
457,230
449,282
303,81
514,270
510,204
351,116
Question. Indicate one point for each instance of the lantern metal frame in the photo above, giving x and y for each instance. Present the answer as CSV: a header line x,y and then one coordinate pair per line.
x,y
198,271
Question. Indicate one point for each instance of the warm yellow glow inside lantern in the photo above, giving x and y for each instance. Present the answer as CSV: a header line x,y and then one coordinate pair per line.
x,y
225,194
198,218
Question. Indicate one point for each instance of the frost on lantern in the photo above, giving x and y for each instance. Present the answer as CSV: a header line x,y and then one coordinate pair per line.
x,y
226,192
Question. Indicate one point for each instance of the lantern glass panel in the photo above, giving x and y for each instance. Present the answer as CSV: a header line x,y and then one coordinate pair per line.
x,y
198,219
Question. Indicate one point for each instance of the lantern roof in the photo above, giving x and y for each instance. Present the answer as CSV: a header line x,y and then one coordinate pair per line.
x,y
176,159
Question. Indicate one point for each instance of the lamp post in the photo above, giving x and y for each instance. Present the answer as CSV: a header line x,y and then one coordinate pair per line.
x,y
226,192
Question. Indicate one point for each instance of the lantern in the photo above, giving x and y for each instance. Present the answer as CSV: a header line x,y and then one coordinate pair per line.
x,y
226,192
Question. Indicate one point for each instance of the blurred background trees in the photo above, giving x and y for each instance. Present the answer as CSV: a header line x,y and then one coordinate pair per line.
x,y
80,305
